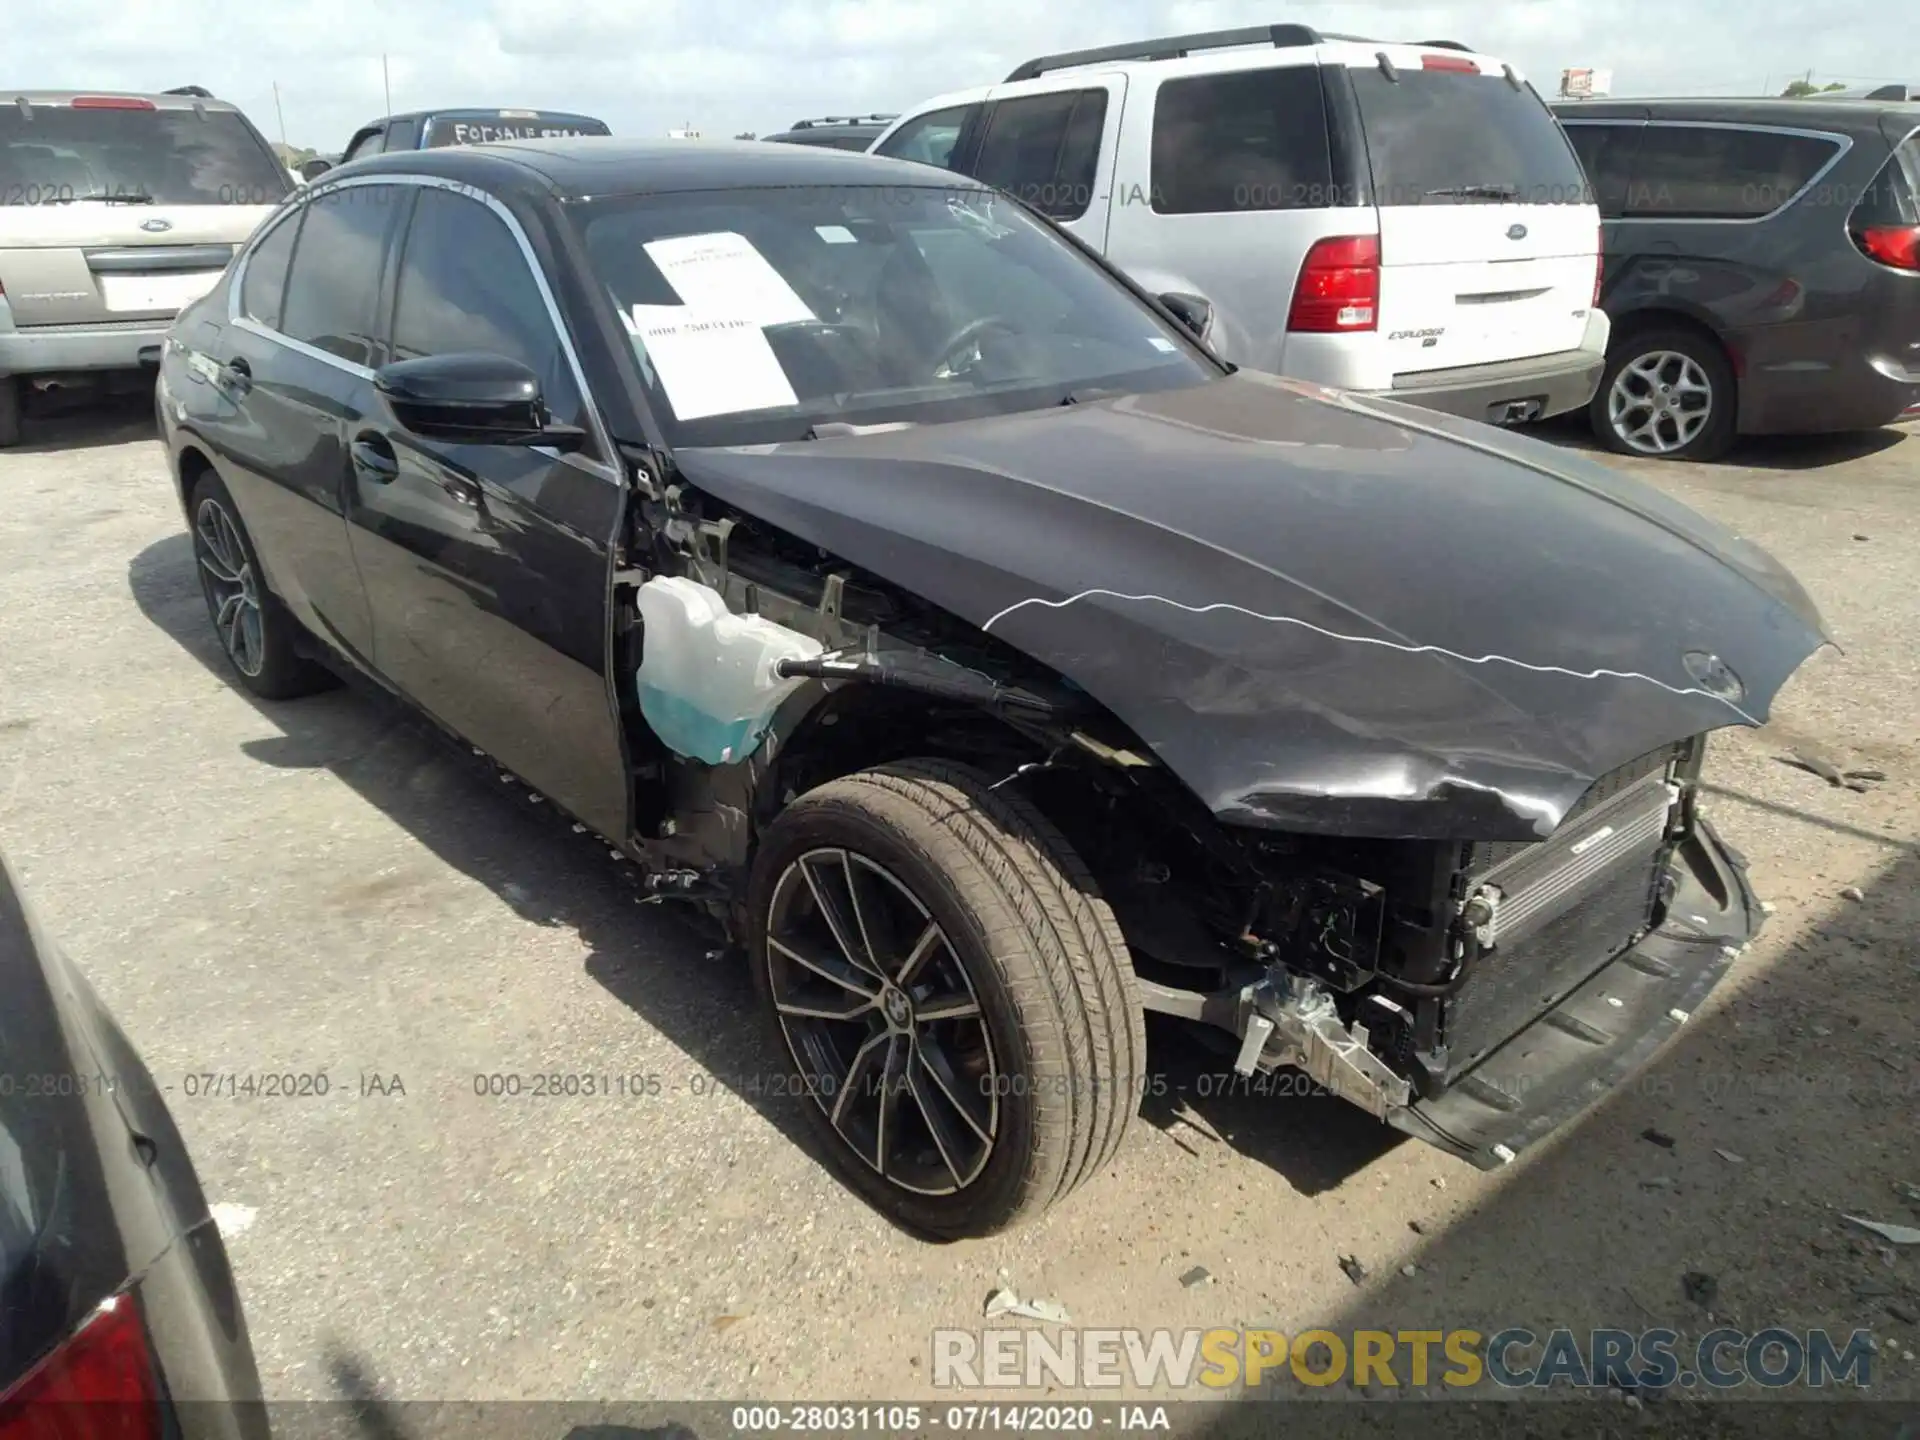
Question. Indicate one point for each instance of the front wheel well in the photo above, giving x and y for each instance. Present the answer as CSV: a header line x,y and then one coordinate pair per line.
x,y
860,727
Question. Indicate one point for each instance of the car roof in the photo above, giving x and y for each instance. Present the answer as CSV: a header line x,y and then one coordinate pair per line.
x,y
160,100
1180,56
1808,114
492,112
1243,48
582,167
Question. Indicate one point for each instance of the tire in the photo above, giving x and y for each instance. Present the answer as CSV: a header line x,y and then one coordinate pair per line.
x,y
255,632
1698,425
10,399
1049,1063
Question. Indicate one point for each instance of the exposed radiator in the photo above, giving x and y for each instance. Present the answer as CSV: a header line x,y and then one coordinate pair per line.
x,y
1529,889
1561,908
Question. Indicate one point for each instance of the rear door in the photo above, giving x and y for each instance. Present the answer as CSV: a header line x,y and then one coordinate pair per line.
x,y
1226,179
297,367
1052,145
120,209
1488,232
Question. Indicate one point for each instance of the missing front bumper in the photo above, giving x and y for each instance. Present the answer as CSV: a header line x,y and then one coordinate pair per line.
x,y
1607,1028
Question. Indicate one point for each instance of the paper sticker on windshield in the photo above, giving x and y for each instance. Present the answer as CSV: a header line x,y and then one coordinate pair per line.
x,y
1160,342
835,234
710,365
723,275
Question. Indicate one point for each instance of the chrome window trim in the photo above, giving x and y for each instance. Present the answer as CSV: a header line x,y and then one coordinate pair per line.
x,y
300,347
601,468
290,215
1842,144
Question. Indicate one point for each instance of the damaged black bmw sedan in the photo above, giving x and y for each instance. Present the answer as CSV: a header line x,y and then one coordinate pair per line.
x,y
895,583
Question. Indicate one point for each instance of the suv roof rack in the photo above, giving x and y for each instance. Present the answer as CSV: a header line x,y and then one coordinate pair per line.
x,y
875,118
1171,47
1176,47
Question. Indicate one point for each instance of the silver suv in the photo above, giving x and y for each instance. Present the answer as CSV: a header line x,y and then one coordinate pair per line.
x,y
115,211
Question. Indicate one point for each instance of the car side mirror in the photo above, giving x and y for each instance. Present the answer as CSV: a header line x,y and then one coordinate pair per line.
x,y
313,169
1191,311
472,400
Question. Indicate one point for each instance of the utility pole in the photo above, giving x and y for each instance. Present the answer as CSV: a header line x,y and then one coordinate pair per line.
x,y
385,83
280,113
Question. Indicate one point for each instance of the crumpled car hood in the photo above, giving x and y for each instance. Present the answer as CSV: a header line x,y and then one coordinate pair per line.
x,y
1323,613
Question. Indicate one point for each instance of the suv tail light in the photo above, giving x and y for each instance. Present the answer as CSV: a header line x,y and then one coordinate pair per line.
x,y
100,1385
111,102
1895,245
1339,287
1599,264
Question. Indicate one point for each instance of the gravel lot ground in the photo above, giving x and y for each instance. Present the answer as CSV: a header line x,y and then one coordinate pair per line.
x,y
316,887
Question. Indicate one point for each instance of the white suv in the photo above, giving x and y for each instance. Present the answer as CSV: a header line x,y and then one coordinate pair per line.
x,y
116,211
1405,219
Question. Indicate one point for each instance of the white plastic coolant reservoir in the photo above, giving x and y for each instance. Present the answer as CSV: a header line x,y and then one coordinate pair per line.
x,y
707,682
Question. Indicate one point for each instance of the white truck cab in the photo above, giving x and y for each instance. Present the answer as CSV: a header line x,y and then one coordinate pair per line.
x,y
1405,219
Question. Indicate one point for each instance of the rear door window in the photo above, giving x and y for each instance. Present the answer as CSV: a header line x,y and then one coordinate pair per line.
x,y
57,154
335,275
1711,172
266,276
1249,140
1045,149
1447,137
1606,153
930,138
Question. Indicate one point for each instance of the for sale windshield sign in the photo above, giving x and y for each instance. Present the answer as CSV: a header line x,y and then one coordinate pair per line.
x,y
479,130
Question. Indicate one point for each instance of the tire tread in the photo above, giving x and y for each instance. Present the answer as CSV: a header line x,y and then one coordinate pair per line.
x,y
1058,948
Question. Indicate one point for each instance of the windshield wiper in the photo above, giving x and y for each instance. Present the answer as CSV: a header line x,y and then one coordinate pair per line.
x,y
1477,192
1095,392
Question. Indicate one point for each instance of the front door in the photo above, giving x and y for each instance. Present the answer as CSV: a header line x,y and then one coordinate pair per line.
x,y
1054,148
487,566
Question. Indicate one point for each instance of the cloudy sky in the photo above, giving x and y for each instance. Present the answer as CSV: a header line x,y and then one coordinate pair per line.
x,y
732,65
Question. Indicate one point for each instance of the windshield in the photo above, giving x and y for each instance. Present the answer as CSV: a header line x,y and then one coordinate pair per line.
x,y
759,313
57,155
1441,137
526,125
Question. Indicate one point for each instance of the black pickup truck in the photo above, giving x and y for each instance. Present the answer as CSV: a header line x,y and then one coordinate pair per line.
x,y
430,129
